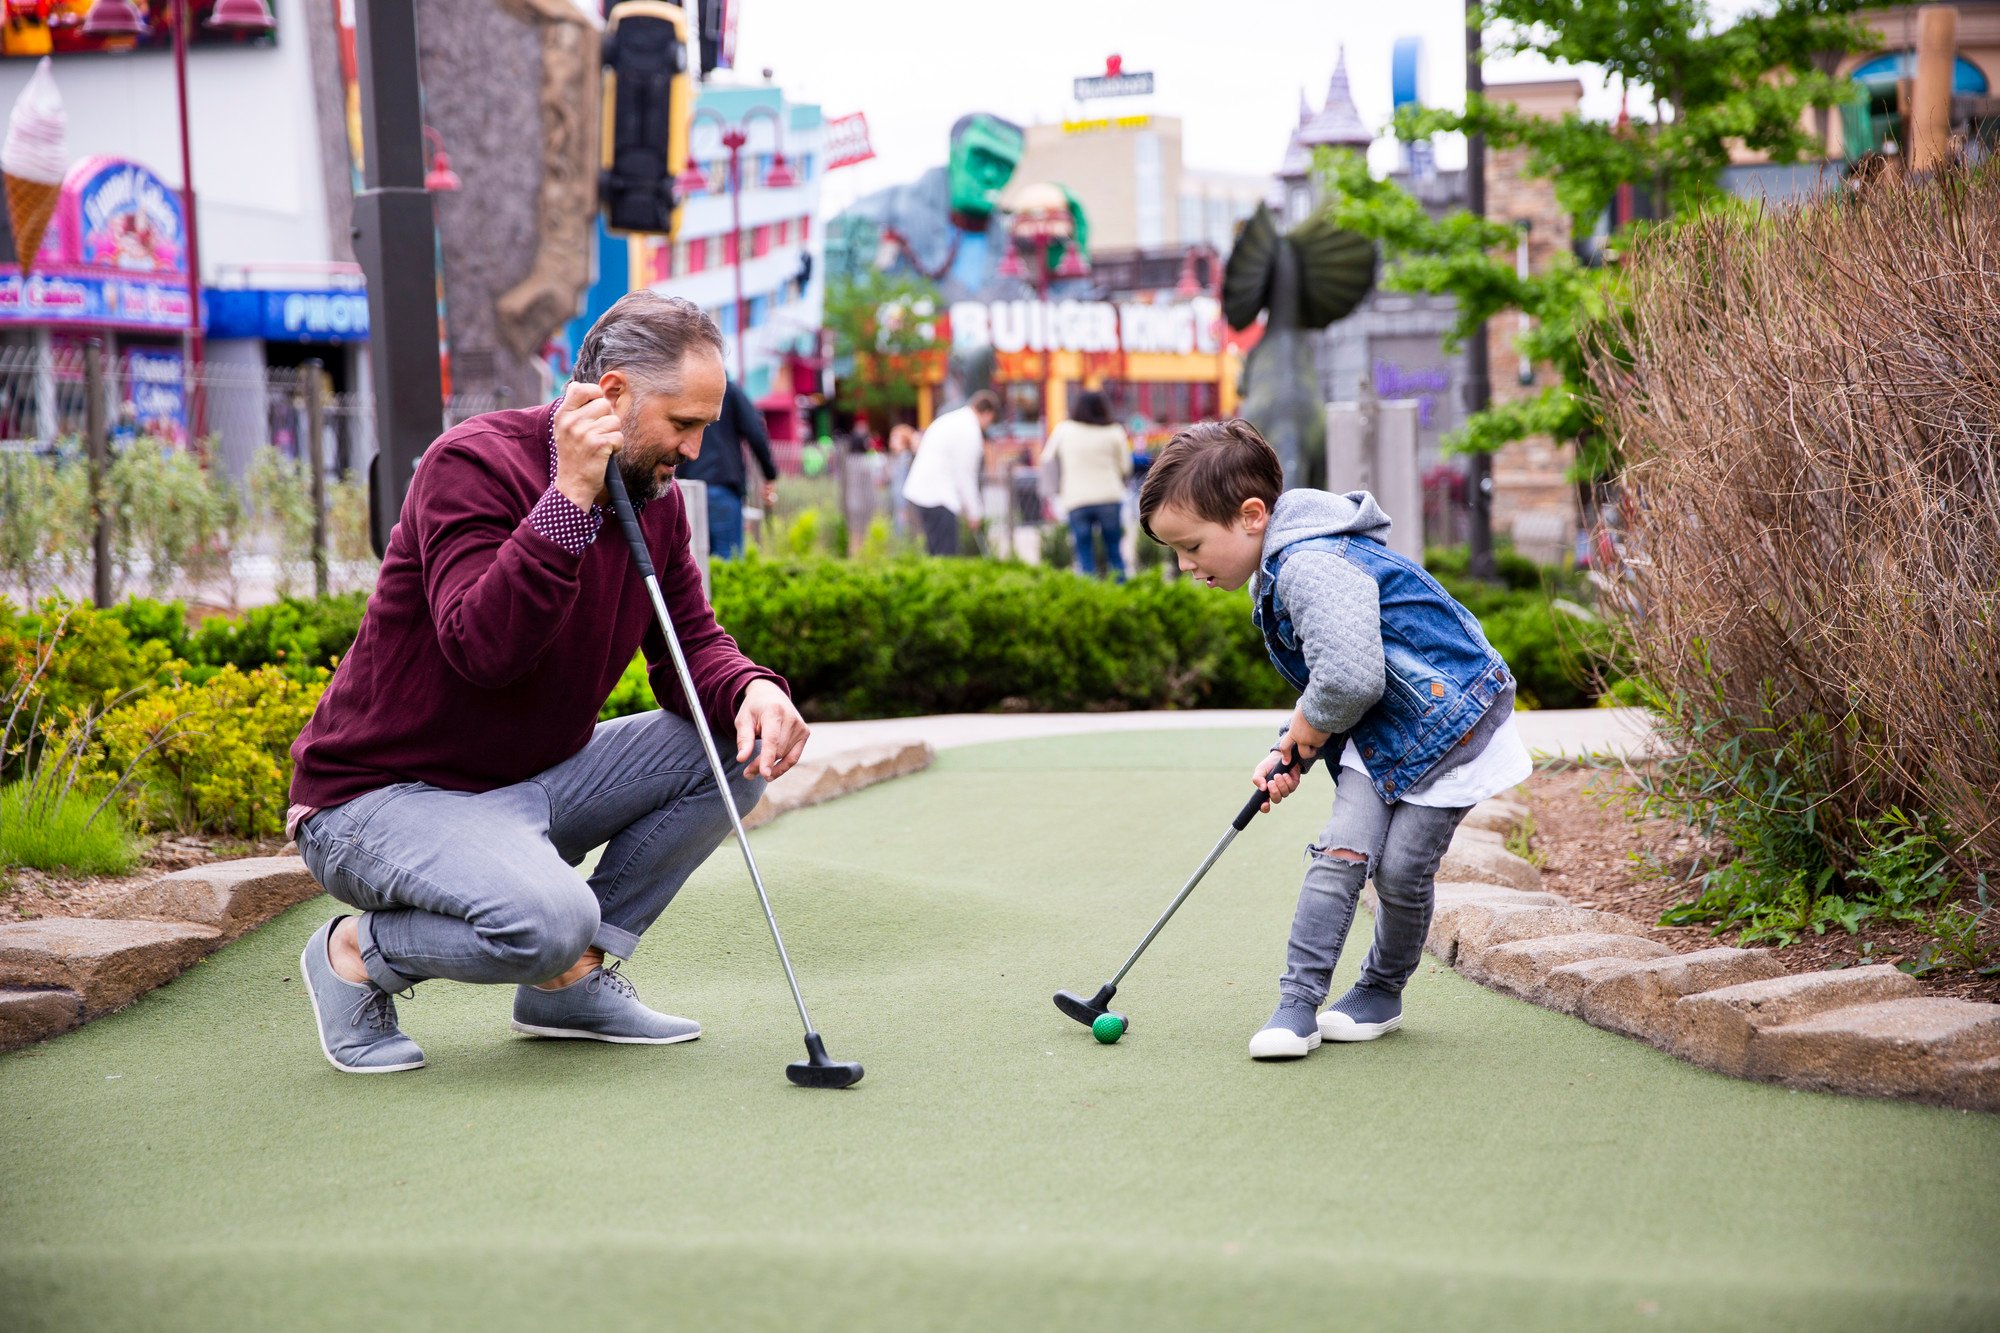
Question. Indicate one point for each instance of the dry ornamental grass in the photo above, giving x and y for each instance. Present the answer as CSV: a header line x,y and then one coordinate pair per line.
x,y
1807,408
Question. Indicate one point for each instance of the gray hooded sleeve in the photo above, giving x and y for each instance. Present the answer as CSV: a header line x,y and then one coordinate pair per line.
x,y
1338,618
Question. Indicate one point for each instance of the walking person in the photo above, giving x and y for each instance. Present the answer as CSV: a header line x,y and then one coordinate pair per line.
x,y
902,452
944,477
720,466
455,772
1092,457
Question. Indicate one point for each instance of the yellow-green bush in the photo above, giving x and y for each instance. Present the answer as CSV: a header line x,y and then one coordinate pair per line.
x,y
213,757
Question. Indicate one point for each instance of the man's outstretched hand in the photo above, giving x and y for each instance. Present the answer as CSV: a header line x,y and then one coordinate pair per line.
x,y
767,714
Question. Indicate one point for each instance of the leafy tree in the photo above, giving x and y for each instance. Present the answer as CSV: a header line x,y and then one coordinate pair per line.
x,y
888,328
1708,87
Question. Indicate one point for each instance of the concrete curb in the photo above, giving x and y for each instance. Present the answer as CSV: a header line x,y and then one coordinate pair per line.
x,y
57,973
1865,1031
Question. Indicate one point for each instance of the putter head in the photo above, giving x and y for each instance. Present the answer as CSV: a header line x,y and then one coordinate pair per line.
x,y
1088,1011
817,1071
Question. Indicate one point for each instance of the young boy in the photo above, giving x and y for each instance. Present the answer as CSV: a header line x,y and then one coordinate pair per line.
x,y
1385,661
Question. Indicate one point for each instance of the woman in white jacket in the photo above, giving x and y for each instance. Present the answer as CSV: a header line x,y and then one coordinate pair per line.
x,y
1092,458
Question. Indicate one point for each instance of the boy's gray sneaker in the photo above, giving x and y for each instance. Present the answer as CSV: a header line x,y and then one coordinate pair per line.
x,y
1362,1015
357,1024
1291,1033
602,1006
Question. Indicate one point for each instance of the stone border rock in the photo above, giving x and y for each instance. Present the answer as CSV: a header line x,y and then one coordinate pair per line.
x,y
1868,1031
57,973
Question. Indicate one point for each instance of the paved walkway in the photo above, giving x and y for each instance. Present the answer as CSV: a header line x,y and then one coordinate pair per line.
x,y
1574,731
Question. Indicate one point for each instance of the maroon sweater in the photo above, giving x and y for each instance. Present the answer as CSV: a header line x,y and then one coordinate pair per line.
x,y
487,649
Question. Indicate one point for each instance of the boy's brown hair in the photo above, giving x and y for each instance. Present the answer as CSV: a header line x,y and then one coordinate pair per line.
x,y
1209,470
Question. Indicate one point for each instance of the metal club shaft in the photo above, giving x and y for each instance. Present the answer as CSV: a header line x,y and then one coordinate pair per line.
x,y
630,522
1175,905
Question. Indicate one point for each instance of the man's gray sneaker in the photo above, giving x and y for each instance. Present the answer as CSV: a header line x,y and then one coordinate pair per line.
x,y
599,1007
357,1024
1363,1014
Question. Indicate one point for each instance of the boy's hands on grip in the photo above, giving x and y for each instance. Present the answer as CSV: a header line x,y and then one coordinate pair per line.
x,y
1302,740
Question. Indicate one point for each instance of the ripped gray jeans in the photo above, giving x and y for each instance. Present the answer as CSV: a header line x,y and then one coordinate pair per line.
x,y
1402,844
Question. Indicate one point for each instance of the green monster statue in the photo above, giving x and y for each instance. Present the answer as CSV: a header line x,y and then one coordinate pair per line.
x,y
984,152
1305,280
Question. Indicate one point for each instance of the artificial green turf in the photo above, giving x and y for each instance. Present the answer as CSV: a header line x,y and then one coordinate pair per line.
x,y
194,1163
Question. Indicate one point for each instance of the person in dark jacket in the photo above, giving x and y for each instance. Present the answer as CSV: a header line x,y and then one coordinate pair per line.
x,y
721,466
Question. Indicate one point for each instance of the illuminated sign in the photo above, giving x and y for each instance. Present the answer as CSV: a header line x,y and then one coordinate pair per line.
x,y
1103,124
1114,82
1179,328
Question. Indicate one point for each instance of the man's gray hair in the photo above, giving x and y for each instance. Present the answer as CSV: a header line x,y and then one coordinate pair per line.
x,y
646,336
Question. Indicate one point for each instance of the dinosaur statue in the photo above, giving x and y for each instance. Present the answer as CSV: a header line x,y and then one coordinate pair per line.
x,y
1300,282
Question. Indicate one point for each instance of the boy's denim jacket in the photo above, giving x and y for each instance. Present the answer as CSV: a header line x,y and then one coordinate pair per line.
x,y
1440,674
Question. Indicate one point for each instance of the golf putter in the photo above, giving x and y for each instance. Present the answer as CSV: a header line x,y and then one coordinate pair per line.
x,y
816,1070
1106,1024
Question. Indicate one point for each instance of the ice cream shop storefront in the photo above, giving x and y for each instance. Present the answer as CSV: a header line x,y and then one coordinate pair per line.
x,y
112,265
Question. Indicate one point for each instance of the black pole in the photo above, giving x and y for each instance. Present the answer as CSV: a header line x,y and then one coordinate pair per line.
x,y
315,378
98,443
395,238
1478,367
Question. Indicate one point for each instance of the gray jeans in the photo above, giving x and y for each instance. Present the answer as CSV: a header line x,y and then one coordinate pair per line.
x,y
1402,844
481,886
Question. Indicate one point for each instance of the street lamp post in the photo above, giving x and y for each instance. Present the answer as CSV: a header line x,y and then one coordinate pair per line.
x,y
779,177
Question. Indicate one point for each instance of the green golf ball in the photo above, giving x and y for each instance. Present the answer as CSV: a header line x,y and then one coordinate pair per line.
x,y
1107,1028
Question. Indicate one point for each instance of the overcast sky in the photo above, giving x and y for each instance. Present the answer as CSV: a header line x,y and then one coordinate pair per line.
x,y
1232,72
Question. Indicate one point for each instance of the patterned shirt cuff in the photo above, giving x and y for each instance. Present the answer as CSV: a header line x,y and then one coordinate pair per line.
x,y
556,517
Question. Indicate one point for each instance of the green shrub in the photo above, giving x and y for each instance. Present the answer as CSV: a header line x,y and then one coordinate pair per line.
x,y
96,659
299,635
1560,653
281,499
64,831
914,636
632,694
213,757
44,519
171,510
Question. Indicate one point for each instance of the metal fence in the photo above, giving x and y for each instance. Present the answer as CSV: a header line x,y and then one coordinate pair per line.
x,y
239,407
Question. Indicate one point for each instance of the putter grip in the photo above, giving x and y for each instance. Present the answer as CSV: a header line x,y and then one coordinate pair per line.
x,y
1257,798
621,504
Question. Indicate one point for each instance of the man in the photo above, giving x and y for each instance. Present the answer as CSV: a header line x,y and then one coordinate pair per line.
x,y
943,486
454,771
721,466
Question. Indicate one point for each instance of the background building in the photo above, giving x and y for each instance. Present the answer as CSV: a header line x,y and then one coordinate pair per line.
x,y
776,254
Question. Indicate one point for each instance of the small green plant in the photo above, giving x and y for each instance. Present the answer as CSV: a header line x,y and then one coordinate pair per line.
x,y
281,498
1058,547
1521,841
56,813
213,757
44,519
174,515
71,831
1955,942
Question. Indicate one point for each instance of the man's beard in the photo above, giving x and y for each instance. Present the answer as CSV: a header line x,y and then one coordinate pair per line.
x,y
640,484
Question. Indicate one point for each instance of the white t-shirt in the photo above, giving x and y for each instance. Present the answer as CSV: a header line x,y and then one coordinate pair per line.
x,y
1501,766
945,472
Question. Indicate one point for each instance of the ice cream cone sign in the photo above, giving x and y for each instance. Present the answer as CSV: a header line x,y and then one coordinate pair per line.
x,y
33,160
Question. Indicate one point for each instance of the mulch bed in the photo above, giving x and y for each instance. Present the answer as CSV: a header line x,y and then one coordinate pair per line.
x,y
1586,844
28,894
